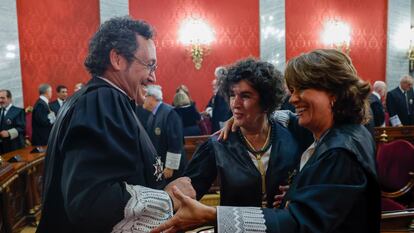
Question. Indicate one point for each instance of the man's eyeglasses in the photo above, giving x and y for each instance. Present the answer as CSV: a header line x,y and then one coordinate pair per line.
x,y
150,67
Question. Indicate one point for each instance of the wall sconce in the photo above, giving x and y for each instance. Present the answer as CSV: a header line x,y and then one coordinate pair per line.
x,y
411,50
337,34
197,35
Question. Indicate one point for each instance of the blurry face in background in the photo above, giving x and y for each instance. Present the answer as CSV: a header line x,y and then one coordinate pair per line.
x,y
245,105
48,93
4,101
406,85
313,108
149,103
63,94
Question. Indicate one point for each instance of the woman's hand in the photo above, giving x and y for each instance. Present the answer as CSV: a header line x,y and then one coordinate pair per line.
x,y
228,125
279,197
184,185
190,215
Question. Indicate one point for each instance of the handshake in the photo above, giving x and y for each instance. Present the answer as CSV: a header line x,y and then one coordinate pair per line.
x,y
184,185
189,213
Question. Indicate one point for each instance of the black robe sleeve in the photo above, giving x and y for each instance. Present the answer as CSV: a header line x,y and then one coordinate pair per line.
x,y
202,168
175,144
20,123
175,133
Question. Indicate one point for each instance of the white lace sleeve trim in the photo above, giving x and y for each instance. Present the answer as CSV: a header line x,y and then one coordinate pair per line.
x,y
146,209
240,219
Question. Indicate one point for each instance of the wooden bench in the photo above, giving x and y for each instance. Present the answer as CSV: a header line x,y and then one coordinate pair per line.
x,y
397,221
190,146
20,190
191,143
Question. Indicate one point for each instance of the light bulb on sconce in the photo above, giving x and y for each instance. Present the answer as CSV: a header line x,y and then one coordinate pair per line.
x,y
197,35
337,34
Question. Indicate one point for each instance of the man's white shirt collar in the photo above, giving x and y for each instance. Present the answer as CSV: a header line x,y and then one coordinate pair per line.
x,y
60,102
115,86
7,108
44,99
376,94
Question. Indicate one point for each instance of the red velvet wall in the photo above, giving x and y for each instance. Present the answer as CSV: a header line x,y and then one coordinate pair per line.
x,y
368,22
236,26
53,38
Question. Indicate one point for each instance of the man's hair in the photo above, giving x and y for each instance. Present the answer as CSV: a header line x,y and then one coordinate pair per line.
x,y
181,99
379,85
155,91
43,88
331,71
118,33
8,93
406,79
60,87
261,76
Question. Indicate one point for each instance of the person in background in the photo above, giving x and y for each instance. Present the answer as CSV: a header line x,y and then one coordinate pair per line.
x,y
286,105
102,173
189,115
42,117
257,159
336,187
184,88
375,101
78,86
217,107
62,94
12,124
166,133
400,104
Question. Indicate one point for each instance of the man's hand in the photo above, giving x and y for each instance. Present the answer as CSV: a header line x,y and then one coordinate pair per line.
x,y
183,184
279,197
4,134
168,172
225,131
190,215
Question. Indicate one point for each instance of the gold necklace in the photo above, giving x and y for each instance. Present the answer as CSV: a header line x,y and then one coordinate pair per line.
x,y
258,155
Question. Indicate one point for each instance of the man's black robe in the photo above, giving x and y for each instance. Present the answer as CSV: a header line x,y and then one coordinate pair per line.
x,y
96,147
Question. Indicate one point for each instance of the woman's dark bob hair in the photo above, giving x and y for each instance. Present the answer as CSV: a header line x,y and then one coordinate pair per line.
x,y
331,71
262,76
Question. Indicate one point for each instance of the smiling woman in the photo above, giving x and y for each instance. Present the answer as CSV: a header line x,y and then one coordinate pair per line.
x,y
252,163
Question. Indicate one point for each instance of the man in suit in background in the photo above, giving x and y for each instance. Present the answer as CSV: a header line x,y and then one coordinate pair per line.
x,y
218,108
400,103
62,94
42,117
375,100
165,129
12,124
